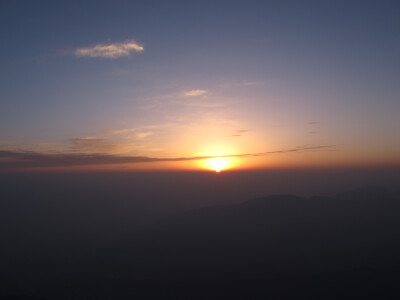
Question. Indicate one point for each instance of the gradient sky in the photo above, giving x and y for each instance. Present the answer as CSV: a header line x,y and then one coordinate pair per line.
x,y
160,84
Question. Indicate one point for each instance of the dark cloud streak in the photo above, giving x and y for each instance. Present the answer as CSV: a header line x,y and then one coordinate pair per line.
x,y
23,159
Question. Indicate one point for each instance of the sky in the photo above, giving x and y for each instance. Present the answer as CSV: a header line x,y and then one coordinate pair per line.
x,y
199,85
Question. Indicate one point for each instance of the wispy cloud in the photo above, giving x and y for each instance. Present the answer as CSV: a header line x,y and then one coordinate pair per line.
x,y
203,104
251,83
240,132
243,130
312,123
10,159
241,84
140,132
92,145
194,93
142,135
117,131
114,50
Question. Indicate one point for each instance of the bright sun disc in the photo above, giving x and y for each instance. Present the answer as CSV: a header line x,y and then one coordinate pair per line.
x,y
218,163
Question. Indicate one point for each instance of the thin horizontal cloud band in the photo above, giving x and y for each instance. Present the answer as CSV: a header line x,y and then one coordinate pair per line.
x,y
20,159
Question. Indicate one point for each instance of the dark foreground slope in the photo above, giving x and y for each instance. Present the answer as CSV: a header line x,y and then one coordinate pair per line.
x,y
345,246
273,236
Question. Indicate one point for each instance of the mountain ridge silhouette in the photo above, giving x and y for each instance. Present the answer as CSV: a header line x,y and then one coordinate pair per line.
x,y
316,246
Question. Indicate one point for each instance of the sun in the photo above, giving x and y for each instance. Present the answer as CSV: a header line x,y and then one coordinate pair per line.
x,y
218,163
217,158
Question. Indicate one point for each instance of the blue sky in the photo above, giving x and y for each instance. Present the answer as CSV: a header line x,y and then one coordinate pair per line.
x,y
205,78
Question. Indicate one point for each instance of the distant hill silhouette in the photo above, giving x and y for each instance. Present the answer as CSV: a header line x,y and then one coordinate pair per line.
x,y
273,236
280,246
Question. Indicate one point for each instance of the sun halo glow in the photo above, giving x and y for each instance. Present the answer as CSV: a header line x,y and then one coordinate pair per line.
x,y
218,164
